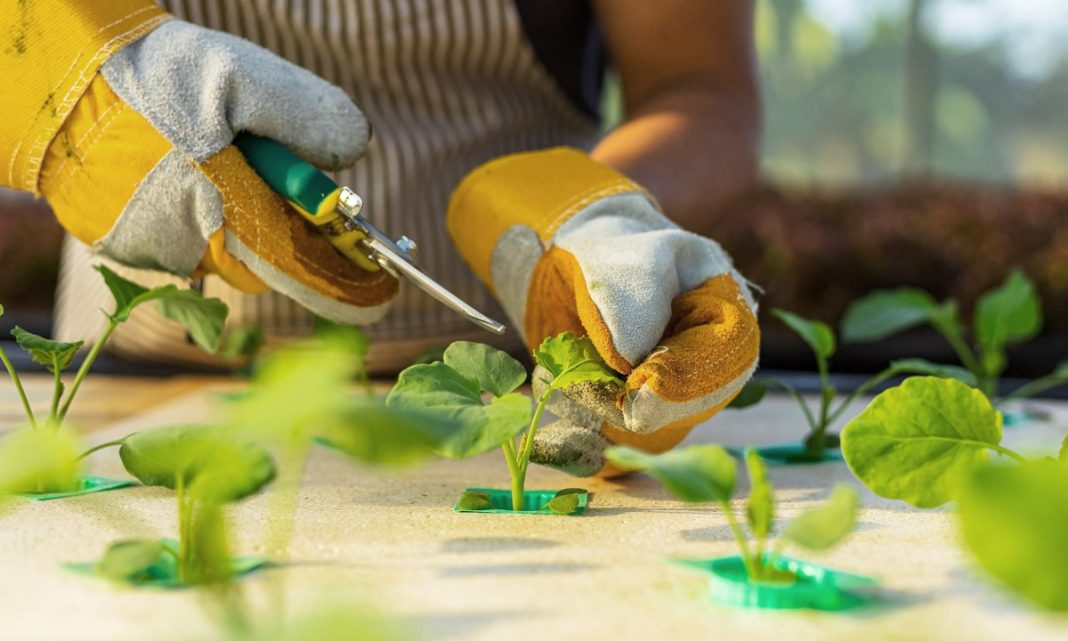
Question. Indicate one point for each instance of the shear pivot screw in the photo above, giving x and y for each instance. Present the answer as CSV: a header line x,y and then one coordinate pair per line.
x,y
407,245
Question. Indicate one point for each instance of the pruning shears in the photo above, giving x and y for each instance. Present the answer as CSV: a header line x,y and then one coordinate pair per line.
x,y
335,212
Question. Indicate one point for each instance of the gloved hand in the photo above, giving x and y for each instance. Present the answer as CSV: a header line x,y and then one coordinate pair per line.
x,y
568,244
123,118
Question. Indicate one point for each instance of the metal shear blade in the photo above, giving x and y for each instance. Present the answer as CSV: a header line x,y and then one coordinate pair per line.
x,y
399,262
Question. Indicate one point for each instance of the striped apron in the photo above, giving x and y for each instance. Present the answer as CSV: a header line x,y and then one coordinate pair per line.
x,y
446,84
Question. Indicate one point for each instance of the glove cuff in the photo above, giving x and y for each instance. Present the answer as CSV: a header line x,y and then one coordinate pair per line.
x,y
58,47
540,190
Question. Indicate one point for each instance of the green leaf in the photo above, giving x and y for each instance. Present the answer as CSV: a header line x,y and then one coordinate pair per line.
x,y
474,501
202,317
53,354
816,334
298,392
571,359
242,342
124,292
565,501
1063,456
130,559
496,371
886,312
38,460
206,460
695,474
432,355
1014,520
386,436
824,526
344,338
760,511
751,394
438,391
1008,314
914,441
927,368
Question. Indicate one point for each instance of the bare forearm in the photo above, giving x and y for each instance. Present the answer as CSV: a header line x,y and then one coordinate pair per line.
x,y
692,147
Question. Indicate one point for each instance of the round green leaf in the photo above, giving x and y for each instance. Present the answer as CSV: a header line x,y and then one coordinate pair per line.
x,y
128,559
440,392
816,334
1014,521
823,527
887,312
380,435
914,441
496,371
1008,314
695,474
474,501
206,460
564,503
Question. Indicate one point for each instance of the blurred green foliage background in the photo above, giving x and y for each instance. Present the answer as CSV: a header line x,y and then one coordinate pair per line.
x,y
861,92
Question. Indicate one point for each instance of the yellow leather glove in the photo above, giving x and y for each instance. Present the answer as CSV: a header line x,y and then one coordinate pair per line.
x,y
568,244
123,118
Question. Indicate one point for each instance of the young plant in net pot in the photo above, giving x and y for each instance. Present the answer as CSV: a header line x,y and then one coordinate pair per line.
x,y
931,441
203,318
475,386
1004,316
760,575
820,443
208,468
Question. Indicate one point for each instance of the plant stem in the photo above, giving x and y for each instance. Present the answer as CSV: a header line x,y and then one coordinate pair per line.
x,y
862,389
776,552
183,530
97,448
18,386
84,369
57,393
1007,452
964,353
1031,388
518,478
520,461
809,418
528,440
814,443
751,564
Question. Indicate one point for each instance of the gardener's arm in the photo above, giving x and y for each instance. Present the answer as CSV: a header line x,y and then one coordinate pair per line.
x,y
692,102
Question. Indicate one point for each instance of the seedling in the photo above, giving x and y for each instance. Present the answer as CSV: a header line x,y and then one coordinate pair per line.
x,y
820,338
1007,315
706,474
202,317
453,389
928,441
207,468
